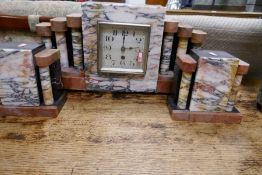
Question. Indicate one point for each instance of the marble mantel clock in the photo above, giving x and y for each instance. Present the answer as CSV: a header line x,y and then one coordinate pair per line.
x,y
122,46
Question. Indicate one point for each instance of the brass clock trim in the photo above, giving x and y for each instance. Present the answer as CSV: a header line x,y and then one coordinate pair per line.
x,y
141,71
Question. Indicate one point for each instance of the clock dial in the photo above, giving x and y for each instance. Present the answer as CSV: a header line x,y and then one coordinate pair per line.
x,y
123,48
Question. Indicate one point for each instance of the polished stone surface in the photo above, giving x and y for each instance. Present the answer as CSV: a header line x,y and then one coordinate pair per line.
x,y
184,90
153,15
61,45
234,91
77,48
46,85
47,41
18,84
166,53
213,83
182,45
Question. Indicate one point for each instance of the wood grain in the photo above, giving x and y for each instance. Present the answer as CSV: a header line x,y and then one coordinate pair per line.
x,y
17,22
100,133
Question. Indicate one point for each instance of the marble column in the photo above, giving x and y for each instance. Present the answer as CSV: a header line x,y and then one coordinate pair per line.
x,y
58,25
74,22
184,33
187,66
46,60
170,29
46,85
243,68
44,30
233,94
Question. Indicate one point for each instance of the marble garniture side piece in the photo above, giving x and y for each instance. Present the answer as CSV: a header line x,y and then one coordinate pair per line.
x,y
126,13
195,42
213,83
18,77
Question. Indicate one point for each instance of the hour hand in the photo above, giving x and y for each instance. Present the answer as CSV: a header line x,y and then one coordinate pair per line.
x,y
123,46
132,47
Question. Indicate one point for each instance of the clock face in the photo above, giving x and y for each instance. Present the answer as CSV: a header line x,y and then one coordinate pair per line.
x,y
123,47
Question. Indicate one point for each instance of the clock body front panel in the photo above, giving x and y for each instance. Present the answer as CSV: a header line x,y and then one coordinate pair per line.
x,y
122,46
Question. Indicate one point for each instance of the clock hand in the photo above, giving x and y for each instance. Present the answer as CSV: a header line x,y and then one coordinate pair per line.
x,y
132,47
123,46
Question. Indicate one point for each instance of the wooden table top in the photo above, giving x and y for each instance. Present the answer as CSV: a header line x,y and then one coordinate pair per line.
x,y
130,134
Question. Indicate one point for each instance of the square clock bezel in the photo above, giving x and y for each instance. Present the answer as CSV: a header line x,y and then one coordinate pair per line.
x,y
102,70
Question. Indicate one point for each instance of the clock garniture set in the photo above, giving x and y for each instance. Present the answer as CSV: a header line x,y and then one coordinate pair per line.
x,y
128,48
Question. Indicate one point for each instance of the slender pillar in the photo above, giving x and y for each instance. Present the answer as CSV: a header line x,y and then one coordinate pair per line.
x,y
170,29
184,33
74,21
241,71
187,65
46,85
43,30
43,60
58,25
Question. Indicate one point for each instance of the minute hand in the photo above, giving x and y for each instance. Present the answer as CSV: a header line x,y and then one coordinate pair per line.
x,y
123,46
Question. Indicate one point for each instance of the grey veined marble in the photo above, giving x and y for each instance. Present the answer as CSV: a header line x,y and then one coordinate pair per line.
x,y
18,84
153,15
61,45
166,53
77,48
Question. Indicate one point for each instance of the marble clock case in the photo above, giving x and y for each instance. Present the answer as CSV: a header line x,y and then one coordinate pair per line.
x,y
113,12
